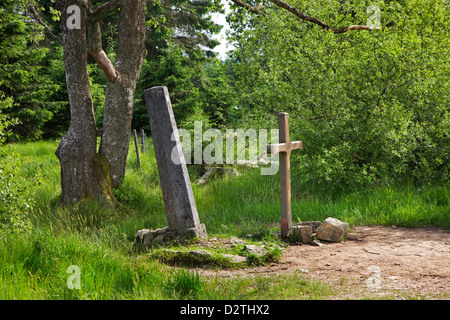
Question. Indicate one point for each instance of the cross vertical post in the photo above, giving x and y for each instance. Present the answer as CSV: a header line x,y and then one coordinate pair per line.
x,y
285,174
284,147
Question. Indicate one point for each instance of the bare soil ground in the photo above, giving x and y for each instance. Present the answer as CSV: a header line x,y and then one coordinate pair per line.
x,y
374,262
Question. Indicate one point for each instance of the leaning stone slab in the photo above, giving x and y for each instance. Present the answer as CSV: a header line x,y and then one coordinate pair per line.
x,y
332,230
179,202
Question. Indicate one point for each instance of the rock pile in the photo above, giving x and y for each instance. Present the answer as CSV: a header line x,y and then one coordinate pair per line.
x,y
331,229
145,238
307,232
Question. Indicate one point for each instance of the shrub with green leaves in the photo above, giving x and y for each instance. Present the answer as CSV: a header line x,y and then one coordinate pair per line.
x,y
16,200
368,105
6,121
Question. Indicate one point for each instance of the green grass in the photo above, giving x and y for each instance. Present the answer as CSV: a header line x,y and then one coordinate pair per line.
x,y
98,239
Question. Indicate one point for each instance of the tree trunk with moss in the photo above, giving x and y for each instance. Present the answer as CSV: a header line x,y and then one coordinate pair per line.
x,y
84,171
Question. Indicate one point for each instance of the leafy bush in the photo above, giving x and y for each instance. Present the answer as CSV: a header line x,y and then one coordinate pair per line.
x,y
5,120
16,199
368,105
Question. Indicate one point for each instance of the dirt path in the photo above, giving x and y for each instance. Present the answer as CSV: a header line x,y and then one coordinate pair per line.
x,y
373,262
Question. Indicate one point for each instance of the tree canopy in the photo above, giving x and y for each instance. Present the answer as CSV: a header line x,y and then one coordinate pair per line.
x,y
366,84
368,104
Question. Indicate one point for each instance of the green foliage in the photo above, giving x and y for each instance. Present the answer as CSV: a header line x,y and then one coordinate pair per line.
x,y
5,120
15,195
184,284
21,76
99,240
369,105
179,43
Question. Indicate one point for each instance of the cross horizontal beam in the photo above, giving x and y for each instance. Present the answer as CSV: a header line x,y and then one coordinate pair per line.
x,y
284,147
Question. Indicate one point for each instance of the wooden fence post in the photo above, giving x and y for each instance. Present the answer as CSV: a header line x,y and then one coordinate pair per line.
x,y
137,148
142,140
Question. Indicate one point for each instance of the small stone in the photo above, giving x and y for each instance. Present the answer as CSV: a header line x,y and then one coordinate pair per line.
x,y
314,225
200,253
234,240
160,231
332,230
302,233
144,237
256,250
235,258
316,243
303,270
159,239
196,232
171,235
172,251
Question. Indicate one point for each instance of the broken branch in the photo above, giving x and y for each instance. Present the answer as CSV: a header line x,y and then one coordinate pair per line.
x,y
95,41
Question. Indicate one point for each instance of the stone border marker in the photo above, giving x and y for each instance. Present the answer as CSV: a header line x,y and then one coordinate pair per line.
x,y
179,203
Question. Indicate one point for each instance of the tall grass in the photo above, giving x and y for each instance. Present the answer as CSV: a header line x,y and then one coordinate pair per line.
x,y
252,201
98,239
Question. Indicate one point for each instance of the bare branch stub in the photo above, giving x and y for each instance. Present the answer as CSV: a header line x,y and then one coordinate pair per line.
x,y
95,39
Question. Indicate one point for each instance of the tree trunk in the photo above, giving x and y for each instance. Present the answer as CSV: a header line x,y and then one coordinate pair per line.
x,y
118,110
84,173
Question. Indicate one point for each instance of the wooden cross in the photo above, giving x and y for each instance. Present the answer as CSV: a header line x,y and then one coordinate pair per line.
x,y
284,148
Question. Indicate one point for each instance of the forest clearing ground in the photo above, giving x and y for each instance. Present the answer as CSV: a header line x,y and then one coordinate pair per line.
x,y
412,263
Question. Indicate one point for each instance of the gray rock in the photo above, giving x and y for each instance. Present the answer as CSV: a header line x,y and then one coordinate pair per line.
x,y
160,231
314,224
144,237
256,250
235,241
332,230
197,232
235,258
316,243
302,233
200,253
159,239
